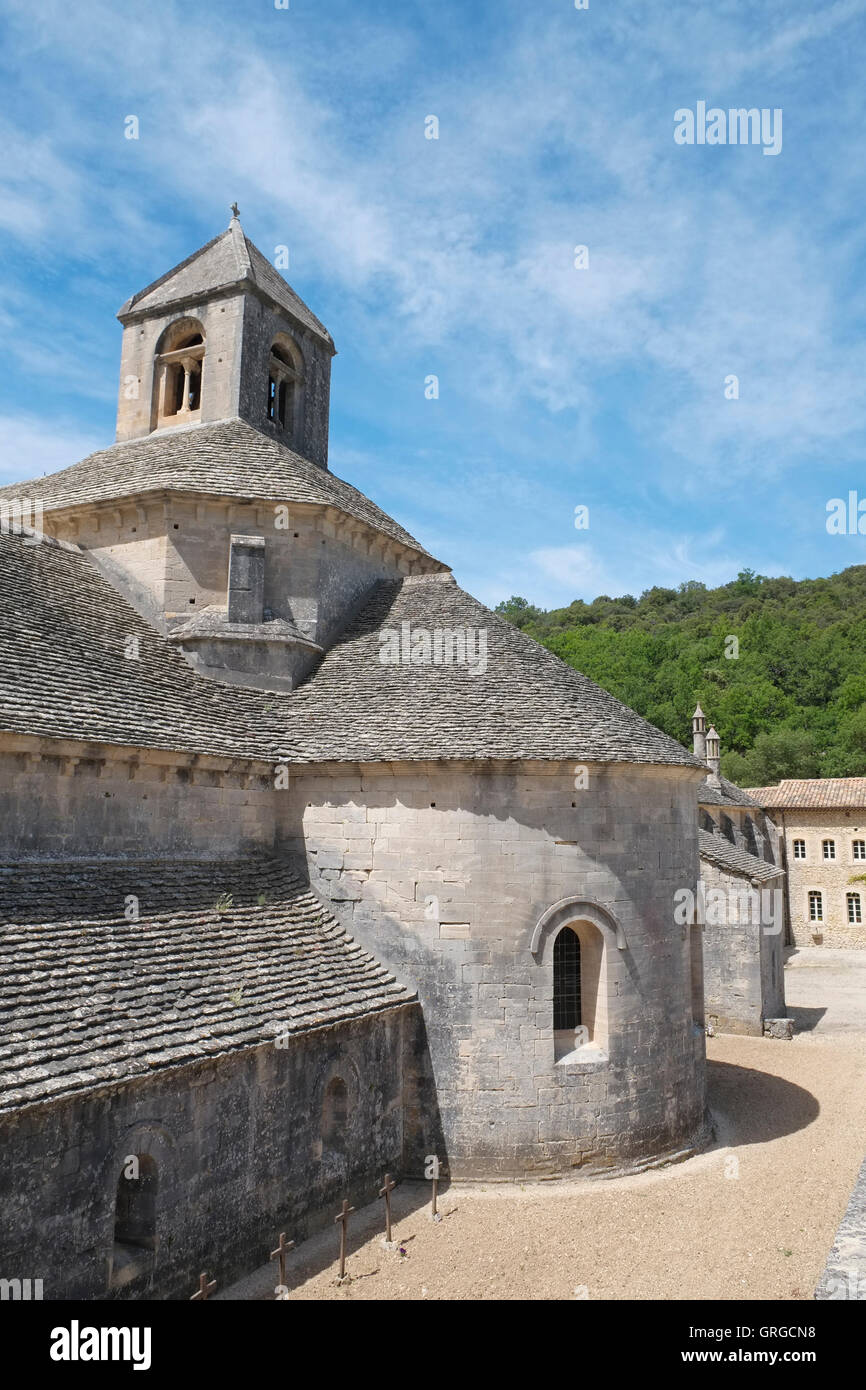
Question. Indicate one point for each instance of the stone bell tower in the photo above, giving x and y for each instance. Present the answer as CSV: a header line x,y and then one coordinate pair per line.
x,y
223,336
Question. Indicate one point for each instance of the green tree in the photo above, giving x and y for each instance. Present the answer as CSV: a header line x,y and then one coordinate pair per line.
x,y
790,703
773,756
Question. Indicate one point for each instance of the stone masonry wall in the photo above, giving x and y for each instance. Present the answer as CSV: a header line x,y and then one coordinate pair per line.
x,y
222,321
830,877
317,568
262,323
444,873
171,556
90,801
743,980
243,1148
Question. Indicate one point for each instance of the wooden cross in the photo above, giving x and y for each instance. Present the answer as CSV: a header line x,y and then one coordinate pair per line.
x,y
386,1193
204,1288
281,1251
344,1218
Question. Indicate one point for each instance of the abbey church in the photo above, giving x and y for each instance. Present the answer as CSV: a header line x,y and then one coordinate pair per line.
x,y
311,865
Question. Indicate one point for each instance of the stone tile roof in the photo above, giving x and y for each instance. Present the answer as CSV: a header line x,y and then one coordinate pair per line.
x,y
722,853
526,703
726,794
229,260
63,674
226,459
805,793
88,998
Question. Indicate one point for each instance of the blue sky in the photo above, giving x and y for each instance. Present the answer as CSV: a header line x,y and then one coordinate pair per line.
x,y
455,257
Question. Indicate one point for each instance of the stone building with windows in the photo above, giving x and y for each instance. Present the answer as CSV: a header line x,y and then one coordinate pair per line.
x,y
311,865
822,822
743,903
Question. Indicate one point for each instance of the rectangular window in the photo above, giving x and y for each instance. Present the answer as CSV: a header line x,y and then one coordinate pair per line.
x,y
854,912
816,907
829,847
799,849
859,849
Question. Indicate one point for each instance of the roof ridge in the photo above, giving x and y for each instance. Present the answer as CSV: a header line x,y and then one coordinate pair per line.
x,y
254,251
134,299
240,263
194,459
239,246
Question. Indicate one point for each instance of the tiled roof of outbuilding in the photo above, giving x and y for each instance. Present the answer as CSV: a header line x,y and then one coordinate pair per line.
x,y
226,459
88,998
63,674
819,793
726,856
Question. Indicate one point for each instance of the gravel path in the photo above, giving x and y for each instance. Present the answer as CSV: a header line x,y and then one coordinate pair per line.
x,y
754,1217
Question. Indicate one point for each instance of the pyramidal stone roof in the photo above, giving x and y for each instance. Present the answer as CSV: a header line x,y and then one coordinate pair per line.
x,y
520,701
226,459
226,955
229,261
63,674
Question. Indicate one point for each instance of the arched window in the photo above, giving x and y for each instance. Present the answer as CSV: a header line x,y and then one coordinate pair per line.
x,y
580,990
178,373
335,1113
566,980
135,1209
285,378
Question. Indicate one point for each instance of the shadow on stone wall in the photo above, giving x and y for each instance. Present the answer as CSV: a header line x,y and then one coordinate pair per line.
x,y
423,1129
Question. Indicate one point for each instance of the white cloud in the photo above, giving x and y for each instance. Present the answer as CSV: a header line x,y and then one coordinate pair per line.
x,y
463,247
29,448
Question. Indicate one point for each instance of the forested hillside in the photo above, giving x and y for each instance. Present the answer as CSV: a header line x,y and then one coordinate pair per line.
x,y
788,696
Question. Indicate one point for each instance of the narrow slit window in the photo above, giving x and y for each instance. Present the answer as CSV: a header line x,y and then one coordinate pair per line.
x,y
335,1113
